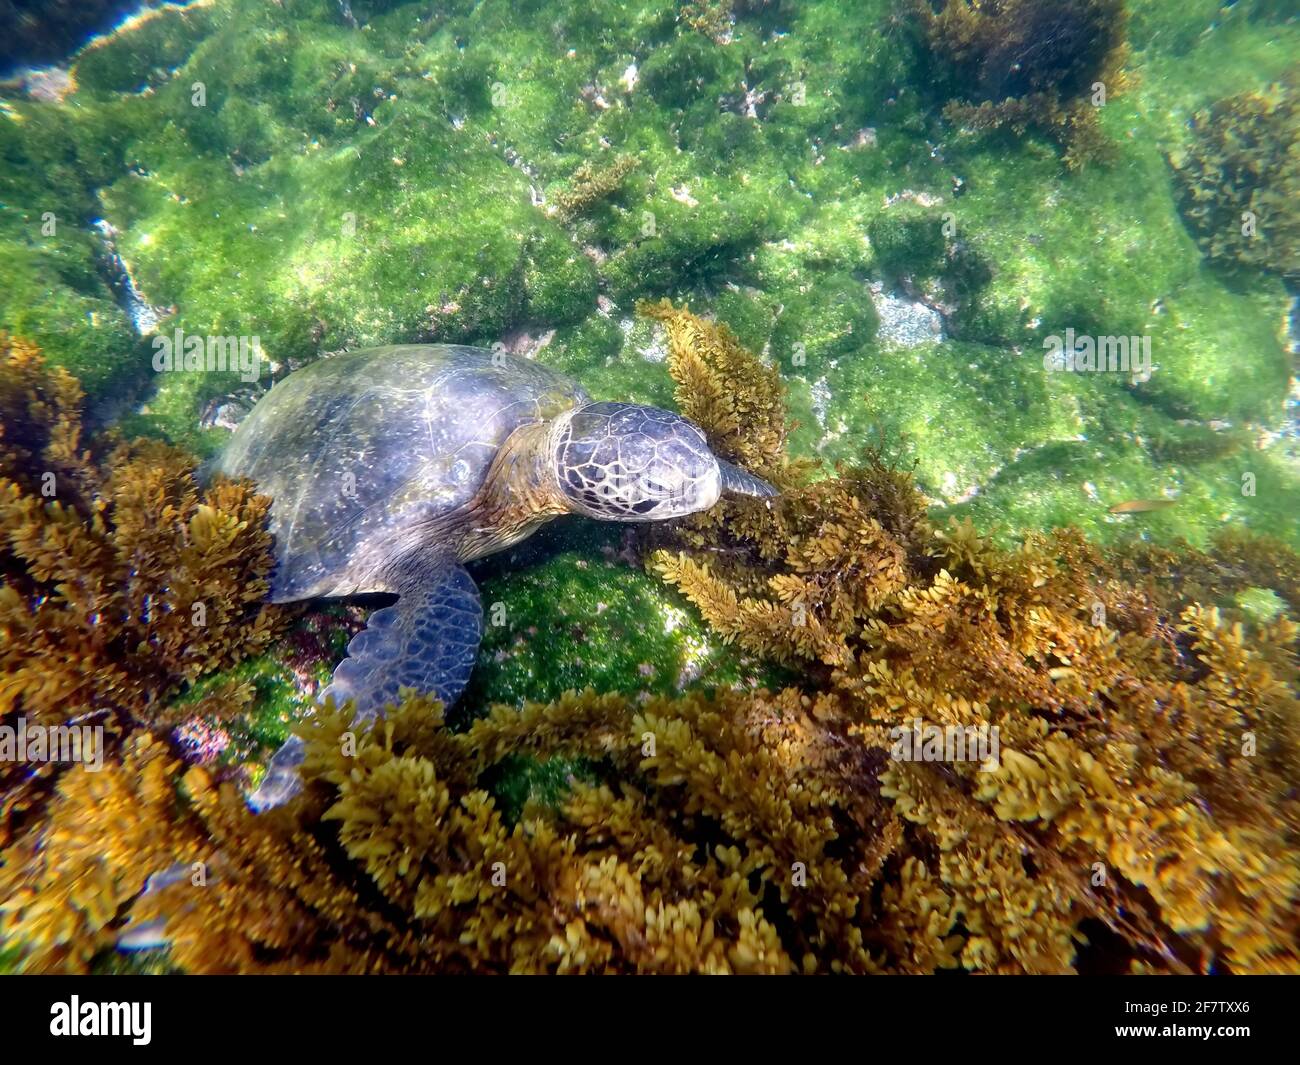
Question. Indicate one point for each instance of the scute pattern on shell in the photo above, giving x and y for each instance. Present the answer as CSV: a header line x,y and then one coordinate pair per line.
x,y
364,452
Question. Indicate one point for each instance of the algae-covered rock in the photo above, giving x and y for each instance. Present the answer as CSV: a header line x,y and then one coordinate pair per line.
x,y
834,317
1077,483
146,55
584,617
959,411
481,172
908,241
1219,354
56,289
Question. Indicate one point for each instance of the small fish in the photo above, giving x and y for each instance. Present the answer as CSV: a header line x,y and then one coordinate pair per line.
x,y
1141,506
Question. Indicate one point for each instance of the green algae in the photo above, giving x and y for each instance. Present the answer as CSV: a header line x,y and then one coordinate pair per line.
x,y
519,781
397,181
1261,605
566,612
959,411
579,616
54,291
1078,483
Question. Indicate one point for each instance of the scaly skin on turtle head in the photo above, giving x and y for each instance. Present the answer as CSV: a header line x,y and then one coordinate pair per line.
x,y
625,462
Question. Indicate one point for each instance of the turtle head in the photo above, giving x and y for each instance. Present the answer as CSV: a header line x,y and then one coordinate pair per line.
x,y
624,462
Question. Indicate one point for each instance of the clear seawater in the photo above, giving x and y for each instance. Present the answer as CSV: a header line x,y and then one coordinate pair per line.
x,y
318,176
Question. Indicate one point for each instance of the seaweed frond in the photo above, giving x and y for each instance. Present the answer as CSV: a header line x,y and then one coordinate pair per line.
x,y
1022,64
590,184
120,579
65,889
712,18
702,847
1240,180
731,395
1146,738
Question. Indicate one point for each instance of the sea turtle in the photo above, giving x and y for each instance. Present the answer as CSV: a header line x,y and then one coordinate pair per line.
x,y
390,468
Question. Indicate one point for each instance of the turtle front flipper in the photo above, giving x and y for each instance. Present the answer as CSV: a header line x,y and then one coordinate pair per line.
x,y
428,640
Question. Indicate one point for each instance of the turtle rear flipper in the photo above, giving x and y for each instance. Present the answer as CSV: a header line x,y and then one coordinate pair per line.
x,y
428,640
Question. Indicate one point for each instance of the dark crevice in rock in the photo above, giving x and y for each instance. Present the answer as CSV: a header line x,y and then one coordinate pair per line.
x,y
37,32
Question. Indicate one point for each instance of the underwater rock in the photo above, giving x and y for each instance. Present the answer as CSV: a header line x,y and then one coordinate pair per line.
x,y
38,31
906,322
1028,63
257,208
